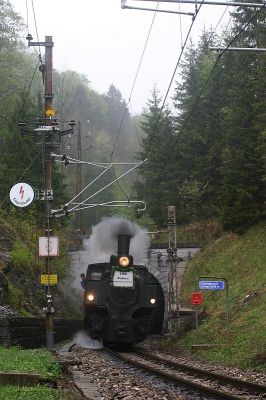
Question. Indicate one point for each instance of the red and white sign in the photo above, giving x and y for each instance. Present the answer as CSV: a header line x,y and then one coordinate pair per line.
x,y
21,194
196,298
48,247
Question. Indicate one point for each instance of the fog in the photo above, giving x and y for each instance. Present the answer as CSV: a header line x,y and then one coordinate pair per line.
x,y
99,39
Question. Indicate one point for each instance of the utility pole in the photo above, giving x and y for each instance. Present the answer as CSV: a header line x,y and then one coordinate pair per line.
x,y
172,261
51,135
48,148
47,71
78,224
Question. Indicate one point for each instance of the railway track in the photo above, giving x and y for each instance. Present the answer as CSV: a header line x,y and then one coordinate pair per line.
x,y
205,382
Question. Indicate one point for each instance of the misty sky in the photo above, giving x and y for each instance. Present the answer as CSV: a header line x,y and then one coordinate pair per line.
x,y
104,42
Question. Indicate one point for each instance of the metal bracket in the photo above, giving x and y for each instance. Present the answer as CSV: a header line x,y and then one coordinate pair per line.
x,y
44,194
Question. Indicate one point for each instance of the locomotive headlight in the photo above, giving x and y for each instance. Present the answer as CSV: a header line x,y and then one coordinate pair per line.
x,y
90,297
152,301
123,261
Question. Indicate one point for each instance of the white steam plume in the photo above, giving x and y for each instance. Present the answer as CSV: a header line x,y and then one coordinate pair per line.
x,y
103,240
102,243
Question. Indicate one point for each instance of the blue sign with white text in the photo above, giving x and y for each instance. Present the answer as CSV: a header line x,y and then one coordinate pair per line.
x,y
211,285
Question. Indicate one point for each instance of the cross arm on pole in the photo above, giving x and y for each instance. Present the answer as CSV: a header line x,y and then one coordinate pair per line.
x,y
250,49
212,2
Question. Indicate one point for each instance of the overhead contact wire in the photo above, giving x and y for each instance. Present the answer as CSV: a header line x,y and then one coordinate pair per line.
x,y
217,61
167,92
129,99
135,78
207,80
28,91
27,15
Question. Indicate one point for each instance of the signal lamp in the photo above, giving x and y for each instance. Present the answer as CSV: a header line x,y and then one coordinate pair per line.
x,y
152,301
123,261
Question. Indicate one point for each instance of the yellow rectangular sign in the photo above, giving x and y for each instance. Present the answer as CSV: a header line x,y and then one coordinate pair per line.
x,y
48,279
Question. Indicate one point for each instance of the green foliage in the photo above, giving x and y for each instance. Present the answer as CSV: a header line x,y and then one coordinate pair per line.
x,y
213,166
16,299
241,260
30,393
21,256
36,361
25,293
156,183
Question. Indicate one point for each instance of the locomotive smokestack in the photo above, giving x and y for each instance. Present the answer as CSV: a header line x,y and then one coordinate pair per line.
x,y
123,244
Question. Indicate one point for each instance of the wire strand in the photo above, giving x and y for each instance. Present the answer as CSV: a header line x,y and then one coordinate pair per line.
x,y
167,92
206,82
36,29
27,15
129,99
28,91
135,79
216,63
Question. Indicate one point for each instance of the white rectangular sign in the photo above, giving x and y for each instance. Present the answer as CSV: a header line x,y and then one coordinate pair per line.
x,y
123,279
48,247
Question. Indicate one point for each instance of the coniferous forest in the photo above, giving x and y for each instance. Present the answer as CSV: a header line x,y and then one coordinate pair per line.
x,y
206,155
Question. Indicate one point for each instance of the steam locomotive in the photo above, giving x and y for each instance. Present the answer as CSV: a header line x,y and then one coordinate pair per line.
x,y
123,302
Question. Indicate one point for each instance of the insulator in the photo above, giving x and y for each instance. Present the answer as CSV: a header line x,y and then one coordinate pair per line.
x,y
72,123
29,37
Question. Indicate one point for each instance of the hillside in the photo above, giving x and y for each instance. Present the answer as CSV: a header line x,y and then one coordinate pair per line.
x,y
20,269
241,260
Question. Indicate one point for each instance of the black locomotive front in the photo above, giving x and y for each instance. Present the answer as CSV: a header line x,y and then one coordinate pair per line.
x,y
123,302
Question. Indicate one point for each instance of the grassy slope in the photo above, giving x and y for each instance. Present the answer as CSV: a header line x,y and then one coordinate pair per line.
x,y
37,361
242,261
30,393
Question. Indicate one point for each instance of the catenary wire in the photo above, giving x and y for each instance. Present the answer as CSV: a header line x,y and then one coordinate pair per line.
x,y
226,28
131,91
180,25
36,29
218,23
204,86
27,16
216,63
28,91
167,92
135,80
134,122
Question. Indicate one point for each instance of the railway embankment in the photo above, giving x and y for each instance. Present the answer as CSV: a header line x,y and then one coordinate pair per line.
x,y
21,291
241,340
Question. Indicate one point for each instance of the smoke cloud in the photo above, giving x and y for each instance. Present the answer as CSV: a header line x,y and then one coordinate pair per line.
x,y
103,240
99,247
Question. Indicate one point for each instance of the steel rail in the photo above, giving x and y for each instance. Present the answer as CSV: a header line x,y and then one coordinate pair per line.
x,y
214,375
159,371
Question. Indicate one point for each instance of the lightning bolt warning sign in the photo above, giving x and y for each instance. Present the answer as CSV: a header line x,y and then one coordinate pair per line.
x,y
21,194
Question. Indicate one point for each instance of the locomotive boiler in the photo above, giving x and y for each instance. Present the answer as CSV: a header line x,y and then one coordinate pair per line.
x,y
123,302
